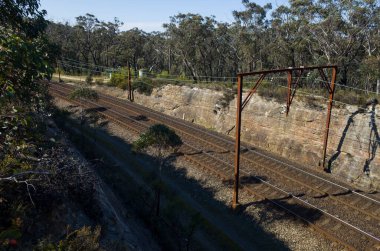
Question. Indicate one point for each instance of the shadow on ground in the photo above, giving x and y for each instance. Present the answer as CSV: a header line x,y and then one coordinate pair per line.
x,y
190,216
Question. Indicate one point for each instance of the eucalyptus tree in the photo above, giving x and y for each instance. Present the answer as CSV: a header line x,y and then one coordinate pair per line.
x,y
84,33
288,45
193,39
107,37
338,36
157,52
251,25
130,47
370,66
307,32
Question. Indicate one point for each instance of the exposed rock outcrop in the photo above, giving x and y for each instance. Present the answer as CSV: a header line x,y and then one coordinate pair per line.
x,y
353,149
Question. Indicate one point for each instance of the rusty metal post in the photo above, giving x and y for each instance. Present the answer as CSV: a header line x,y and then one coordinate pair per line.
x,y
129,84
235,199
289,91
331,100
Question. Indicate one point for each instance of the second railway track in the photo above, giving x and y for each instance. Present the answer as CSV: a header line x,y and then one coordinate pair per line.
x,y
340,213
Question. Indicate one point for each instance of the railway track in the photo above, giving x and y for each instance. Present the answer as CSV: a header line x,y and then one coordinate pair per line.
x,y
340,213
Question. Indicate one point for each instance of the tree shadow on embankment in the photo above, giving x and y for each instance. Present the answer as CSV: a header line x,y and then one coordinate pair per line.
x,y
189,213
374,137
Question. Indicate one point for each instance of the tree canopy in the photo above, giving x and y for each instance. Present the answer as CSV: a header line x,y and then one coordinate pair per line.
x,y
307,32
160,137
25,59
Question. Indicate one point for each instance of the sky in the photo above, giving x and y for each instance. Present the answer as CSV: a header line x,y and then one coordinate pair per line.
x,y
147,15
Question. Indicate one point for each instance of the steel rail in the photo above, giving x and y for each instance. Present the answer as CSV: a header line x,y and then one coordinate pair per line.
x,y
203,153
253,162
228,141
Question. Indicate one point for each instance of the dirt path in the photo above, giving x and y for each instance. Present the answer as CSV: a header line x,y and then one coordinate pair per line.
x,y
79,78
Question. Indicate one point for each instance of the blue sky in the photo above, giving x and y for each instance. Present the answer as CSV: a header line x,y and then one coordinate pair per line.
x,y
148,15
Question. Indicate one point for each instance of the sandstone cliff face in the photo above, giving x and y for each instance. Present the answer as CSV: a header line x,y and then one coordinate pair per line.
x,y
353,149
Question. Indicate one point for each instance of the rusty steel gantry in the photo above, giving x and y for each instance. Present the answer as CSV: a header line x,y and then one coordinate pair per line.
x,y
292,87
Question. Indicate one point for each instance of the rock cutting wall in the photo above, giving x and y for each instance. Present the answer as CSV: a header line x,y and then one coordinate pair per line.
x,y
353,149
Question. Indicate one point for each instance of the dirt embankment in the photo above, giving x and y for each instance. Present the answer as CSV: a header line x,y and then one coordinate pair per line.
x,y
100,208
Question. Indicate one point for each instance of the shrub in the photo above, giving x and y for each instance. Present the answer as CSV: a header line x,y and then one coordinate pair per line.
x,y
118,79
143,86
84,93
314,103
123,86
99,81
163,74
228,96
279,94
86,239
89,79
352,98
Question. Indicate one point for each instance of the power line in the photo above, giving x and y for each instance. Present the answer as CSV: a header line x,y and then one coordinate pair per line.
x,y
169,75
222,77
319,130
180,80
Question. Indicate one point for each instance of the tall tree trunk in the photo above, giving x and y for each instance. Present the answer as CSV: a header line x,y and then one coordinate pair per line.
x,y
378,87
170,60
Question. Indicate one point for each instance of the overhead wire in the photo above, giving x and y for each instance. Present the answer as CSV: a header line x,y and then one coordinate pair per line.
x,y
179,80
339,136
327,82
208,82
87,64
156,78
222,77
316,130
155,75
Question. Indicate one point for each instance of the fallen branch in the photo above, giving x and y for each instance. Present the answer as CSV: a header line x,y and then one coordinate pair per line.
x,y
27,182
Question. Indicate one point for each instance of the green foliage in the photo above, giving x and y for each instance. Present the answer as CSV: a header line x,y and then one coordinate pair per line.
x,y
99,82
89,79
158,136
279,94
228,96
354,98
85,239
123,86
23,15
25,60
119,79
163,74
84,93
143,86
306,33
22,63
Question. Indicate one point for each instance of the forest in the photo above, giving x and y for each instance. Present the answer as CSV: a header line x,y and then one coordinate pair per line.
x,y
305,33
